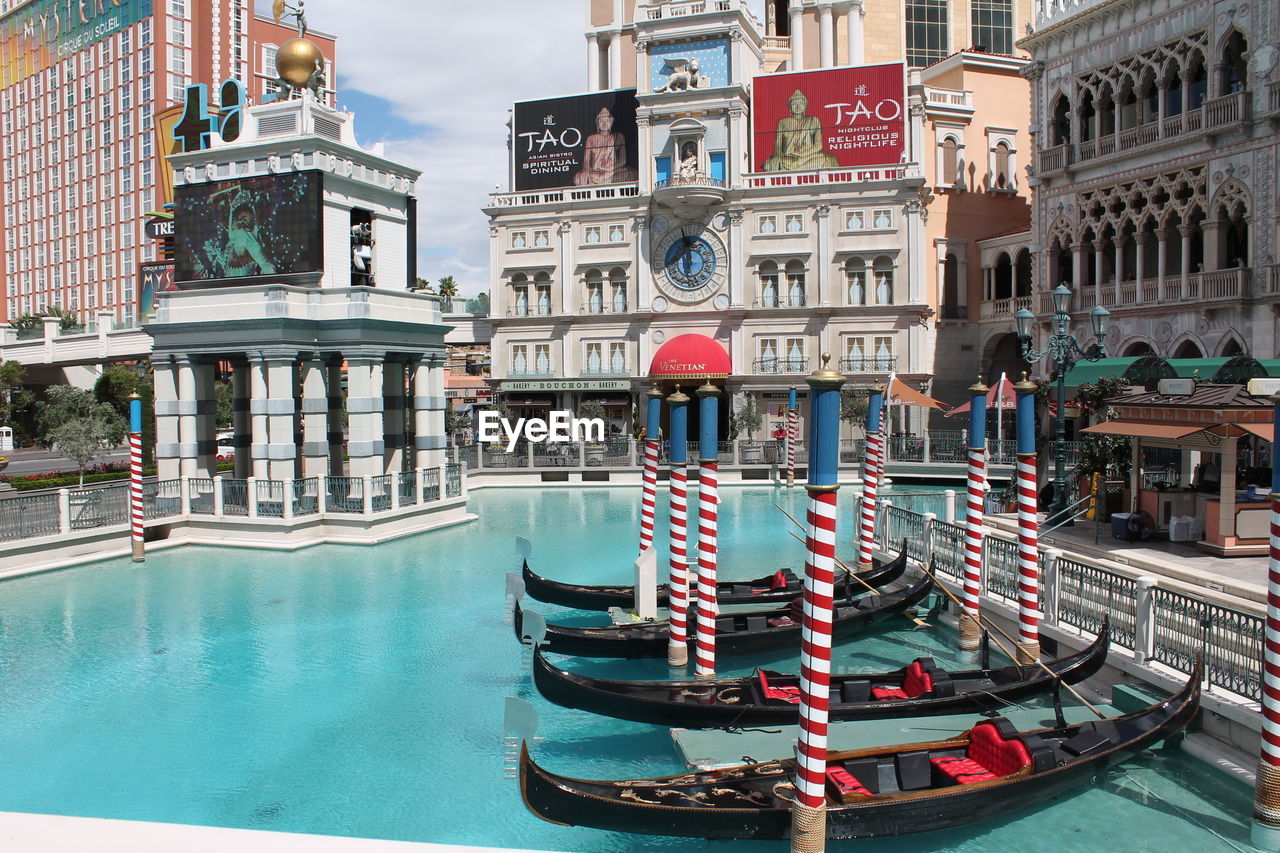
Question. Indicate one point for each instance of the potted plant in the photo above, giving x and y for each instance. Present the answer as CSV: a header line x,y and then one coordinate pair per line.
x,y
594,451
746,418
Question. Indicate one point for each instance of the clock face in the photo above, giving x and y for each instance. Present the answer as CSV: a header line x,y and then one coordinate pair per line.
x,y
689,262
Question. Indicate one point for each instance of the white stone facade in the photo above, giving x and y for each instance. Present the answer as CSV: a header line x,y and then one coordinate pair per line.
x,y
1155,125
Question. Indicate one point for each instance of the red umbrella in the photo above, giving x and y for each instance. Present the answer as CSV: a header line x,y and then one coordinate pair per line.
x,y
1001,396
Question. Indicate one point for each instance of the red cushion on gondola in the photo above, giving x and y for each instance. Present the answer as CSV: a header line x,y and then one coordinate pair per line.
x,y
844,782
963,771
779,580
883,693
992,751
918,682
786,694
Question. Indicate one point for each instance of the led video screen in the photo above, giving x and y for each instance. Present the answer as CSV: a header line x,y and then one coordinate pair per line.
x,y
263,227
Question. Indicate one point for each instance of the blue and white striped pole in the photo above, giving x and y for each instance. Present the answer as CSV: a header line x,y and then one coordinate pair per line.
x,y
809,816
704,660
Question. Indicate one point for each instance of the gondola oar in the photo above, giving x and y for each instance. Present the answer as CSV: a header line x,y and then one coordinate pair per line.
x,y
987,623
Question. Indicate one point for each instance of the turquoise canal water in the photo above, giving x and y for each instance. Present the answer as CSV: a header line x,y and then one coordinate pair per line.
x,y
359,691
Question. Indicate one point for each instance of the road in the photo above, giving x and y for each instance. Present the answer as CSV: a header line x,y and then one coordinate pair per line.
x,y
33,460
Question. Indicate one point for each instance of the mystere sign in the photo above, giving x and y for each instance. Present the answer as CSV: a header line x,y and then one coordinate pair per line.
x,y
568,385
42,32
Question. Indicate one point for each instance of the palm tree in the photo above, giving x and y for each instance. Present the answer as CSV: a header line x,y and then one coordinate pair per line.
x,y
447,290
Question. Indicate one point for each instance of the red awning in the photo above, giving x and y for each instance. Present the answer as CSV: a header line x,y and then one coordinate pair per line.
x,y
901,393
1263,431
690,357
1001,395
1143,430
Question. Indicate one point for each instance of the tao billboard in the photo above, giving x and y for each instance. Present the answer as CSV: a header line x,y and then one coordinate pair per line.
x,y
582,140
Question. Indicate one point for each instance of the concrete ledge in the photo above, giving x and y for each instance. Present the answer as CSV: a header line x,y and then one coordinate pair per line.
x,y
27,833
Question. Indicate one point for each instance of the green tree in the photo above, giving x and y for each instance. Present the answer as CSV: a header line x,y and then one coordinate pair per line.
x,y
854,405
591,409
745,418
478,304
421,285
447,290
222,394
79,425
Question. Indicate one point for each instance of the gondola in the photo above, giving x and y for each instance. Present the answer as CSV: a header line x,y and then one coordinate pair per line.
x,y
770,699
989,771
779,587
736,634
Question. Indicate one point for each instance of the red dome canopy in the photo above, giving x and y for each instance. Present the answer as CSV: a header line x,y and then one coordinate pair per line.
x,y
690,357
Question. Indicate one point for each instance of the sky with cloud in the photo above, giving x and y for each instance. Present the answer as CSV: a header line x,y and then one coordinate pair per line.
x,y
433,80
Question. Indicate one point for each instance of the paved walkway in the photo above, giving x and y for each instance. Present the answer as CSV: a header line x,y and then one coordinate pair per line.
x,y
1240,577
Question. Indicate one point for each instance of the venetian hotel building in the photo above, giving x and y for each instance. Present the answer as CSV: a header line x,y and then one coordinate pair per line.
x,y
88,93
691,206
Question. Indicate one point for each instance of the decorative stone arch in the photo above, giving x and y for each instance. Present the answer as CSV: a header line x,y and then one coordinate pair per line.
x,y
1232,344
1180,347
1136,346
1001,353
1231,52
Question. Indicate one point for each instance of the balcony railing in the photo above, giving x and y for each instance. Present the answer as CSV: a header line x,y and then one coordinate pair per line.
x,y
607,370
529,311
777,42
1056,158
834,176
1000,309
1215,286
562,195
795,301
604,308
696,180
881,364
1228,109
781,366
680,8
948,97
1269,281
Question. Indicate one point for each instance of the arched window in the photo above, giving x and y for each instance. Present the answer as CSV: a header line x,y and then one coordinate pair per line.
x,y
1003,166
1188,349
618,290
795,285
1106,112
1197,80
1004,277
883,270
520,294
542,284
1235,67
950,162
769,285
1088,117
1022,274
1061,128
1173,93
855,273
1128,106
1231,348
595,292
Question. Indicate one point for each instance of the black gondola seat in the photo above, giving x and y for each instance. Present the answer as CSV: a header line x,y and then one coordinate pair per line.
x,y
995,749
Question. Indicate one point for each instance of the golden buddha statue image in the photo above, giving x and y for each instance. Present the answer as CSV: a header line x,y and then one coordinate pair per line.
x,y
798,144
604,155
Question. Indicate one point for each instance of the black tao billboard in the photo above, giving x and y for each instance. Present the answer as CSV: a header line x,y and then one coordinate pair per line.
x,y
581,140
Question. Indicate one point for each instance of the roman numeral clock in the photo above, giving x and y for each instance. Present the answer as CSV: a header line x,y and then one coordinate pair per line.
x,y
689,263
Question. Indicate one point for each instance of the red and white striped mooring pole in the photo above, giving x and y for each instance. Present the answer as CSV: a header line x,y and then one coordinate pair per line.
x,y
136,515
1266,797
650,476
809,816
793,435
678,584
870,476
970,630
704,661
1028,526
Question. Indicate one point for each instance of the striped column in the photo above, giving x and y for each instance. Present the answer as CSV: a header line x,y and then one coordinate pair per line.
x,y
650,476
970,630
808,829
704,664
678,585
870,476
1266,801
136,515
793,433
1028,527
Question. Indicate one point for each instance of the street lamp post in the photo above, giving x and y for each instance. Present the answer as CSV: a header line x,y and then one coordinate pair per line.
x,y
1064,350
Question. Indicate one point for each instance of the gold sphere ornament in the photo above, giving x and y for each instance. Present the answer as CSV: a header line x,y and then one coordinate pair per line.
x,y
296,60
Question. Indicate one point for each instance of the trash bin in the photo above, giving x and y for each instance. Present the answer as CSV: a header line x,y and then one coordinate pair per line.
x,y
1120,525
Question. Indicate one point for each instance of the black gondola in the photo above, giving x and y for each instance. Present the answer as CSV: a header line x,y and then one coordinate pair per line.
x,y
736,634
989,771
779,587
770,699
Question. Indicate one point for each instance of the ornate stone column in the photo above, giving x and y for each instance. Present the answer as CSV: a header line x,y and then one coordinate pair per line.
x,y
853,32
206,421
315,418
393,416
1162,240
826,37
593,62
364,414
615,59
166,405
429,440
1139,263
188,411
258,413
1077,267
1117,266
282,452
797,38
1186,231
1098,246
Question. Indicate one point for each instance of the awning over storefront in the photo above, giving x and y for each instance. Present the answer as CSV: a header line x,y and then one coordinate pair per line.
x,y
1088,372
690,357
1143,430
